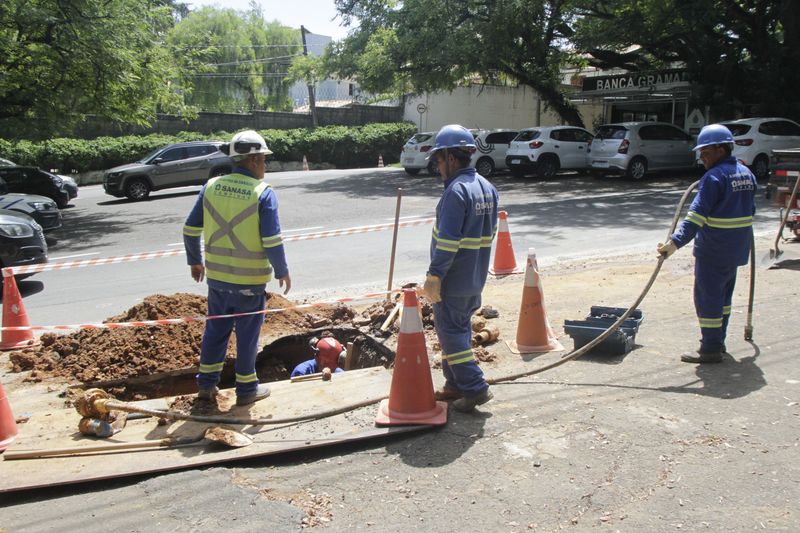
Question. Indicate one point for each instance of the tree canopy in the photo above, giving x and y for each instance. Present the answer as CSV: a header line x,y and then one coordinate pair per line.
x,y
426,45
60,60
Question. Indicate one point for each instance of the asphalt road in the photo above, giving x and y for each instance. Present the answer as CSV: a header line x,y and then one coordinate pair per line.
x,y
570,216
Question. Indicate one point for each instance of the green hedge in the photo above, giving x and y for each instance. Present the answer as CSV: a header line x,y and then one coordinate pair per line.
x,y
342,146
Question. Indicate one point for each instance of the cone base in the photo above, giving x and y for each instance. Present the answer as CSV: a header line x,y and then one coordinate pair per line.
x,y
434,417
6,443
552,346
6,346
505,271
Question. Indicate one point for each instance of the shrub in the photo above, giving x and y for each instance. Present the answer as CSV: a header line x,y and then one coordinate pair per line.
x,y
342,146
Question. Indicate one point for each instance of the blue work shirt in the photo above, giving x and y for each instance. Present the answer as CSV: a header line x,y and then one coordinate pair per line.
x,y
466,222
309,367
720,219
270,227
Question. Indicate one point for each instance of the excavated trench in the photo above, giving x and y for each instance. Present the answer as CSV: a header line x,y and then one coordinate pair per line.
x,y
274,362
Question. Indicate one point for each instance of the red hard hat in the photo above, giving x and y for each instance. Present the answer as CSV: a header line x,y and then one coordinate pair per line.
x,y
328,353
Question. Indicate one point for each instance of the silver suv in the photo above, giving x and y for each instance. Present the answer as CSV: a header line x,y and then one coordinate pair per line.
x,y
634,148
177,165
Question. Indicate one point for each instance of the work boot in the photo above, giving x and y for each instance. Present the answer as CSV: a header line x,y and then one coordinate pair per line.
x,y
467,404
261,392
702,357
446,393
208,394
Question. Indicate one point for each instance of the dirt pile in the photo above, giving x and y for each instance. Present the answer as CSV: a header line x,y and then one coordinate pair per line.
x,y
109,354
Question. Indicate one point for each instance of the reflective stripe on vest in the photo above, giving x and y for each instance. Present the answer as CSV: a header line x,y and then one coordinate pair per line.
x,y
233,247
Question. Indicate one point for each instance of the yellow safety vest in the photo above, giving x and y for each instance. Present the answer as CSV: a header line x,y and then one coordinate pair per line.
x,y
233,247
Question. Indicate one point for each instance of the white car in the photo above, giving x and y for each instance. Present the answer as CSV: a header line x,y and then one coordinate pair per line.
x,y
545,151
491,148
755,138
414,155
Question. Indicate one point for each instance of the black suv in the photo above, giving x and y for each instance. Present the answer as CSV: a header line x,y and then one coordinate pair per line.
x,y
176,165
32,180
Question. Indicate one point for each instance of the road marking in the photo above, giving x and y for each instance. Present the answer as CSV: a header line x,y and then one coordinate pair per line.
x,y
301,229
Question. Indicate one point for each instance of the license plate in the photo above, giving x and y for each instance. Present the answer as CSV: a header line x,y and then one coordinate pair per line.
x,y
600,164
409,160
515,161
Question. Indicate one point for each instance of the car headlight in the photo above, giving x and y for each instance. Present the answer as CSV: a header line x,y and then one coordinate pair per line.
x,y
42,206
16,230
114,175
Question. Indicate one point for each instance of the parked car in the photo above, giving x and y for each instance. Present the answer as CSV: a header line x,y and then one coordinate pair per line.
x,y
755,138
176,165
491,147
40,208
32,180
6,163
21,240
636,148
545,151
70,185
414,154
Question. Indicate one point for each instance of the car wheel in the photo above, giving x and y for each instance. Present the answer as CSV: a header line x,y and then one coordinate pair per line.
x,y
484,167
412,171
220,171
761,168
137,189
433,168
637,168
548,167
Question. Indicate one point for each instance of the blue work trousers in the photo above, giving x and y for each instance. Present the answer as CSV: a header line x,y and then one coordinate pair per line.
x,y
217,334
452,319
713,292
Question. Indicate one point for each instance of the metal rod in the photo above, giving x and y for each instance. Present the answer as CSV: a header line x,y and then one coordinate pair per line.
x,y
394,243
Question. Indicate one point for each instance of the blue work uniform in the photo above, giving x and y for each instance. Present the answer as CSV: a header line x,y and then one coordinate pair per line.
x,y
461,246
720,220
309,367
235,285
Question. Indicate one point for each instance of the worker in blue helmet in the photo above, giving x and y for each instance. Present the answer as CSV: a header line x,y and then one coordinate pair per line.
x,y
720,220
466,222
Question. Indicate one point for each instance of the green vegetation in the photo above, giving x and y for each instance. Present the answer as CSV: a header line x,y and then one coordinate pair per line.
x,y
341,146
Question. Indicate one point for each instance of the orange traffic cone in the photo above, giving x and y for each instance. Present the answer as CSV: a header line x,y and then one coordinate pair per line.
x,y
411,398
504,262
380,161
534,333
8,426
14,315
305,164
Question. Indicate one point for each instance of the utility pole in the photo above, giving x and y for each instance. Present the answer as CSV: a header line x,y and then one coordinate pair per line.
x,y
312,100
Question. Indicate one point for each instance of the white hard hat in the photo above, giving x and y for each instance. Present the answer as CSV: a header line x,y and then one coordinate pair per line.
x,y
248,142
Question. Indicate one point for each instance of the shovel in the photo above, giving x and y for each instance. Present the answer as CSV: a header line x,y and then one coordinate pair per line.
x,y
225,436
769,260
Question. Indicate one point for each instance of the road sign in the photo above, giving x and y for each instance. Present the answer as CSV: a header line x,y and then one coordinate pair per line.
x,y
421,108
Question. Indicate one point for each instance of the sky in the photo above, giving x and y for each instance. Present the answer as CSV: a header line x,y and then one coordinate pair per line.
x,y
315,15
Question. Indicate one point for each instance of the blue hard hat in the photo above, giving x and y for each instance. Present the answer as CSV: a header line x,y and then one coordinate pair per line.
x,y
453,136
713,134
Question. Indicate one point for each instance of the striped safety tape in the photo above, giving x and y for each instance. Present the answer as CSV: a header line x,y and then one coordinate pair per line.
x,y
186,319
30,269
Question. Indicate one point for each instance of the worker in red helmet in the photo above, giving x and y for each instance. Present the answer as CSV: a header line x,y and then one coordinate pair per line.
x,y
327,352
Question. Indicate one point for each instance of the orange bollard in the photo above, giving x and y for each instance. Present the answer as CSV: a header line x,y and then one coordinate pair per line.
x,y
14,315
380,161
504,261
411,398
534,333
8,426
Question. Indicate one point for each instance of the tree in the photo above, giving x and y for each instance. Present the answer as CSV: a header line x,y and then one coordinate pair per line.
x,y
233,61
428,45
61,60
742,54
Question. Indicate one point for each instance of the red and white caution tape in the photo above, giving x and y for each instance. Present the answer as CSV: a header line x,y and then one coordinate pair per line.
x,y
186,319
31,269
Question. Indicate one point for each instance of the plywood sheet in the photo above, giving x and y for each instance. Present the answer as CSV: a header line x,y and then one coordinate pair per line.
x,y
58,429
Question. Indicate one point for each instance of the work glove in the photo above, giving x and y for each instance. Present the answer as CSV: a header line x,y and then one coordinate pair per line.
x,y
432,289
666,250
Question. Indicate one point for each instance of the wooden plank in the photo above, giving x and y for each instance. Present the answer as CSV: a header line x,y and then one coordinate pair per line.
x,y
59,429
